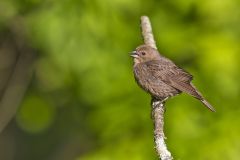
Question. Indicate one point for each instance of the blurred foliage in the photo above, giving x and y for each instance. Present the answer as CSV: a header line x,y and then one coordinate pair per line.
x,y
83,102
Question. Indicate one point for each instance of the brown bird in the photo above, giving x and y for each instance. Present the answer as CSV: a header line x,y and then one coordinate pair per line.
x,y
160,77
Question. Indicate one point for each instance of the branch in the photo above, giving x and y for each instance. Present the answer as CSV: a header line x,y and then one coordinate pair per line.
x,y
20,77
147,32
158,108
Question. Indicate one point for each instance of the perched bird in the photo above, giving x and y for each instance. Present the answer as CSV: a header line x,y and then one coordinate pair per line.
x,y
160,77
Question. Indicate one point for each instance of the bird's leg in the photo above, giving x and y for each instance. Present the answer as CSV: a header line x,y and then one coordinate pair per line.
x,y
156,103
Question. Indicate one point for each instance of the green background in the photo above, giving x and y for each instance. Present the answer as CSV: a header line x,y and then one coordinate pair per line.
x,y
82,102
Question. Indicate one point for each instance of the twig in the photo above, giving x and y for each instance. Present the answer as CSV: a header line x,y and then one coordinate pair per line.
x,y
147,32
157,106
158,110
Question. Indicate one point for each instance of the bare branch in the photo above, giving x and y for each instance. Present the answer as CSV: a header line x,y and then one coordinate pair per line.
x,y
158,110
157,106
147,32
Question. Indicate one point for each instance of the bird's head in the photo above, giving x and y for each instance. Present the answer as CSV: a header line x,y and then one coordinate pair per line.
x,y
144,53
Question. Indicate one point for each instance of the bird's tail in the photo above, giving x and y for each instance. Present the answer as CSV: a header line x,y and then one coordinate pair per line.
x,y
199,96
208,105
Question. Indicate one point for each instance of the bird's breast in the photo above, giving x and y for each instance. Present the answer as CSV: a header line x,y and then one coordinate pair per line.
x,y
144,78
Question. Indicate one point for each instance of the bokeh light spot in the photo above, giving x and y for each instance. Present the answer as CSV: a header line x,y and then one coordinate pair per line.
x,y
35,115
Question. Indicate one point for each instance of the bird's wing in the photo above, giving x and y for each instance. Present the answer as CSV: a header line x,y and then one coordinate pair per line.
x,y
172,75
167,70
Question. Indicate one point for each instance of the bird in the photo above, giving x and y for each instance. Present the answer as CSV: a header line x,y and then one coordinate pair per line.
x,y
160,77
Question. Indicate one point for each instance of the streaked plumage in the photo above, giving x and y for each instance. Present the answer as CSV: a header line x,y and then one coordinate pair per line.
x,y
160,77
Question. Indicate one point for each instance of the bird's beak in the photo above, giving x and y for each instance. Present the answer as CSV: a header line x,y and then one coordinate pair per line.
x,y
134,54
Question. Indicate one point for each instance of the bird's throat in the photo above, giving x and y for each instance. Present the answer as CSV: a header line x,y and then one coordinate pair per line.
x,y
136,61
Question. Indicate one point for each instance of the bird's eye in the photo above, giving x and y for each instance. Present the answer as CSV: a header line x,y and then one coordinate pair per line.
x,y
143,53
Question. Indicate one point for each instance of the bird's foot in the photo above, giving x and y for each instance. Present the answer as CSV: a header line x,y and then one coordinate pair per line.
x,y
157,103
